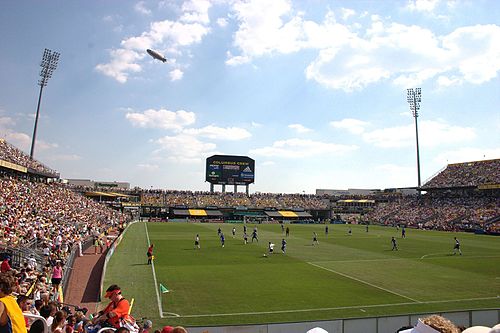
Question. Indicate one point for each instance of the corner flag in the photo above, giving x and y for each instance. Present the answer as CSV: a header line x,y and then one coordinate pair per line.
x,y
163,289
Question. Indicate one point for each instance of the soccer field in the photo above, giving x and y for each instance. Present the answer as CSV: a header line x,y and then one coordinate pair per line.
x,y
344,276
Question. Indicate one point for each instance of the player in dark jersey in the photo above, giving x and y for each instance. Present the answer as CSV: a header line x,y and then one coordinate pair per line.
x,y
315,239
287,232
254,235
403,232
326,230
457,247
394,244
222,239
219,231
283,246
233,231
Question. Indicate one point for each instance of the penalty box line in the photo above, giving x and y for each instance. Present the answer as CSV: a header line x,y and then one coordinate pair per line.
x,y
365,282
331,309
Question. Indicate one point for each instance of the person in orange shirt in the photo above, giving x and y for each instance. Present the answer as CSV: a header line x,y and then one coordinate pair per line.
x,y
117,309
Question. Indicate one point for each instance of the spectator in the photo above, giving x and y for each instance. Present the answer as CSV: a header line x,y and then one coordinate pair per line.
x,y
38,325
58,322
11,314
117,309
433,323
57,274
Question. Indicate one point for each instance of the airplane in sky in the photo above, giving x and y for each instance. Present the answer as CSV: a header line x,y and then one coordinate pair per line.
x,y
156,55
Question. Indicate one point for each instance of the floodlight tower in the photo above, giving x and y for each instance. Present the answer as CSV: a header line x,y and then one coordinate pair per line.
x,y
49,65
414,98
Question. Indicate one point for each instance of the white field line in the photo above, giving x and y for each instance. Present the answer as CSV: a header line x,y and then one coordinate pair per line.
x,y
334,308
433,254
154,275
367,283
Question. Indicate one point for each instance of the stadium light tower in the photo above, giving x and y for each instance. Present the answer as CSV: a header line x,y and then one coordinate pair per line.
x,y
49,65
414,98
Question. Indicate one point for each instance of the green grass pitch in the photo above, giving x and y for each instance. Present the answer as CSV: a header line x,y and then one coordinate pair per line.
x,y
344,276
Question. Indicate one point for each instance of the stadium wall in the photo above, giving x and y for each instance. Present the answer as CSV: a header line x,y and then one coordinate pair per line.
x,y
361,325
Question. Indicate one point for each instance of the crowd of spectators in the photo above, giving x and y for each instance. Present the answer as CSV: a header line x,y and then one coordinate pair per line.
x,y
49,221
11,154
437,212
467,174
194,199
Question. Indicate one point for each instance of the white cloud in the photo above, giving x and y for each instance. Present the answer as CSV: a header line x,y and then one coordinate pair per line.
x,y
354,126
184,148
123,62
6,122
431,134
140,7
176,74
467,154
222,22
64,157
351,58
256,124
299,128
422,5
196,11
346,13
148,167
219,133
171,36
173,120
298,148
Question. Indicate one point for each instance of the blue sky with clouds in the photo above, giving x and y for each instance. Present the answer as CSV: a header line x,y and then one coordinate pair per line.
x,y
314,91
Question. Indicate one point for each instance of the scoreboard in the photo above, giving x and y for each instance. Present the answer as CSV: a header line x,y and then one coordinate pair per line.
x,y
230,170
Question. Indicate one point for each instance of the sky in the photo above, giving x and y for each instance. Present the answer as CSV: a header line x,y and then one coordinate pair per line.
x,y
314,91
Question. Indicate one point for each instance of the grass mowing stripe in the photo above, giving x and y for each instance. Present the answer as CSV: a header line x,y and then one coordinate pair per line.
x,y
333,308
154,275
367,283
427,257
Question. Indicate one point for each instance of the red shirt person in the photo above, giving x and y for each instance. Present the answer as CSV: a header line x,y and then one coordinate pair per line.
x,y
5,266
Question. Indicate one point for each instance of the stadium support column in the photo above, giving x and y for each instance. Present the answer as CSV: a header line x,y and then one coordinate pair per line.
x,y
414,98
211,188
247,189
223,188
235,188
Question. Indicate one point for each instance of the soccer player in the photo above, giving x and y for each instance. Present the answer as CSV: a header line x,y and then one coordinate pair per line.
x,y
349,232
283,246
282,228
150,253
457,247
287,232
367,227
254,235
233,231
326,230
219,231
315,239
271,248
403,232
197,242
245,238
244,228
394,244
222,239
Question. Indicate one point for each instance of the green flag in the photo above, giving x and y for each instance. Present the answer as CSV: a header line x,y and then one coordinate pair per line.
x,y
163,289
